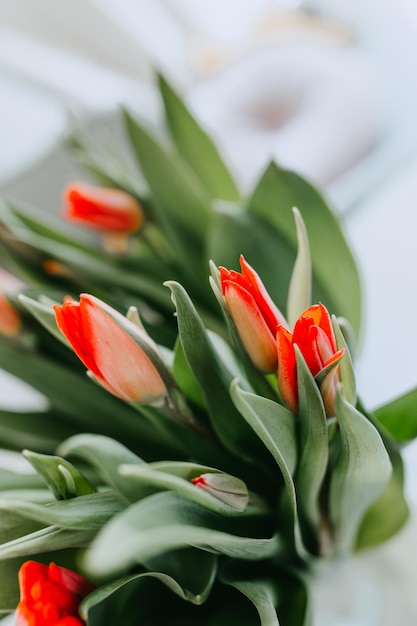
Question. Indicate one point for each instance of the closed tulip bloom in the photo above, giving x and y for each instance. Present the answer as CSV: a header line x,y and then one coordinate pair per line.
x,y
314,336
113,211
115,360
50,595
10,319
255,315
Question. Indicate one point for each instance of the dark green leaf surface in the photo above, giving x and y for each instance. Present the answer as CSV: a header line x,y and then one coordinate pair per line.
x,y
399,417
359,476
335,276
196,147
313,445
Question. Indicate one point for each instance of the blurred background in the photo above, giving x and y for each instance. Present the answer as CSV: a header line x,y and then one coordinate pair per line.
x,y
325,87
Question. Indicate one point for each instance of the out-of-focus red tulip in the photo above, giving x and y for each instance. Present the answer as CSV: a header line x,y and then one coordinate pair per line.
x,y
10,320
50,595
112,211
108,351
255,315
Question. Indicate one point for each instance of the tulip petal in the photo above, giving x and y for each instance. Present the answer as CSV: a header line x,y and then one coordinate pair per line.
x,y
269,310
287,368
305,337
102,208
256,337
119,362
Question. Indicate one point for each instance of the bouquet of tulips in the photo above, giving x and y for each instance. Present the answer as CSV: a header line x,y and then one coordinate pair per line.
x,y
217,448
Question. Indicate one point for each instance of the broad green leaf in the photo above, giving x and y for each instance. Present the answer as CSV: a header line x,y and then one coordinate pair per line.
x,y
314,454
108,168
184,377
359,476
196,147
299,291
152,480
15,480
106,455
164,522
40,430
9,588
335,275
63,479
89,512
133,584
399,417
272,422
275,427
263,595
347,373
234,232
178,194
45,315
212,376
390,512
79,403
46,539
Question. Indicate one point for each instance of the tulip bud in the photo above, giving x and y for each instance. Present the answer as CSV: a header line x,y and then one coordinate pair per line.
x,y
314,336
10,320
112,211
108,351
226,488
50,595
255,315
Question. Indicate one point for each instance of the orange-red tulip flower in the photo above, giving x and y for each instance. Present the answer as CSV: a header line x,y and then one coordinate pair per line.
x,y
255,315
108,351
112,211
50,595
10,320
314,336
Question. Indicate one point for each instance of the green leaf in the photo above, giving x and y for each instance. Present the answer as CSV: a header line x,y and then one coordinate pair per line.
x,y
234,232
164,522
108,168
181,198
44,313
299,292
399,417
106,455
359,475
212,376
46,539
263,595
275,427
63,479
154,480
88,512
134,582
335,276
314,452
196,147
77,402
184,377
347,373
273,423
390,512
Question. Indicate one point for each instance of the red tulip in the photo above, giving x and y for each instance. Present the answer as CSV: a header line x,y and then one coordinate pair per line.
x,y
110,210
108,351
255,315
10,320
314,336
50,595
